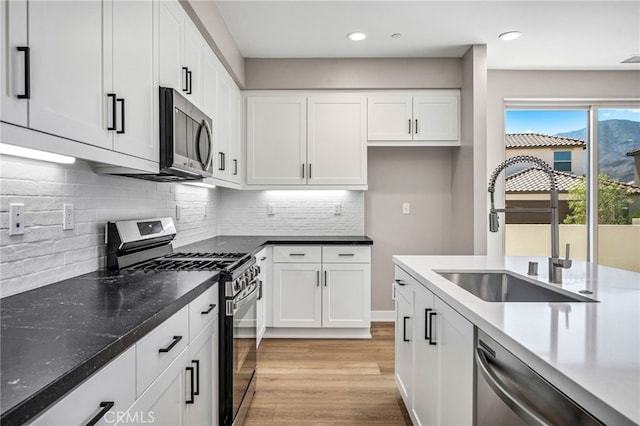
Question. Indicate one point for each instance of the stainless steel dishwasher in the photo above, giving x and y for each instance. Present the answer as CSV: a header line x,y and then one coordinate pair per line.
x,y
509,393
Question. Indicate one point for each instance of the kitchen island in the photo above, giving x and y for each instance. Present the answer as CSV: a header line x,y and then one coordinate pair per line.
x,y
588,350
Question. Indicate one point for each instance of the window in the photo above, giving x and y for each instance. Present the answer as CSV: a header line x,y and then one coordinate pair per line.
x,y
562,161
597,148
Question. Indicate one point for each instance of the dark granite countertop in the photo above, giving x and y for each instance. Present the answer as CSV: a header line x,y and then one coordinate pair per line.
x,y
54,337
253,244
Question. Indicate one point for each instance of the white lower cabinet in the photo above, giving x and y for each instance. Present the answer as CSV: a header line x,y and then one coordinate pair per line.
x,y
202,408
311,293
434,356
108,391
263,260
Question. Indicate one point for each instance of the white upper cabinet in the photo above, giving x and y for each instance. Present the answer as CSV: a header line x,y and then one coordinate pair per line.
x,y
15,57
194,46
67,63
337,141
276,140
428,118
320,140
133,79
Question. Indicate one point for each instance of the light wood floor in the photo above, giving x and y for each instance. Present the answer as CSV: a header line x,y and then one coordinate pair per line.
x,y
328,382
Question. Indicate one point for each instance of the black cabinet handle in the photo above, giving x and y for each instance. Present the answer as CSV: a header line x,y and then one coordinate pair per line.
x,y
400,282
235,167
303,171
296,254
211,308
105,407
112,96
27,72
416,126
432,340
346,254
309,170
259,289
185,79
220,160
174,342
192,397
224,161
263,258
409,126
189,83
325,278
121,115
404,329
426,324
197,374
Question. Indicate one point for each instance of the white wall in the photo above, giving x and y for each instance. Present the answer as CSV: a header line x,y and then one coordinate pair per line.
x,y
46,254
297,212
542,85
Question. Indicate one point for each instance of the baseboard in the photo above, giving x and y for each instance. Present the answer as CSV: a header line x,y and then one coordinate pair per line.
x,y
383,316
317,333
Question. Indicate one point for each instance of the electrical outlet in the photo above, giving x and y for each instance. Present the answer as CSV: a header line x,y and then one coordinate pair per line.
x,y
16,219
337,209
406,208
271,209
177,212
67,217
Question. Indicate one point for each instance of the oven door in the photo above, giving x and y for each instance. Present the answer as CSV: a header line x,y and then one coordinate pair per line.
x,y
244,353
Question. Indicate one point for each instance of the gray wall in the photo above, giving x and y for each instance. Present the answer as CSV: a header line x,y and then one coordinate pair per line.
x,y
541,85
396,73
417,175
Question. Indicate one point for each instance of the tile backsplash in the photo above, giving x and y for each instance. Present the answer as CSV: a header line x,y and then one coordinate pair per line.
x,y
46,253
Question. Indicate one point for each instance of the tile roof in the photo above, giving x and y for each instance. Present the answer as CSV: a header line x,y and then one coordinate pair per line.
x,y
535,179
536,140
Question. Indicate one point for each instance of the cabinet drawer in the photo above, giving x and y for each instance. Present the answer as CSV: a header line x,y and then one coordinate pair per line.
x,y
156,350
304,254
202,310
346,254
405,284
113,383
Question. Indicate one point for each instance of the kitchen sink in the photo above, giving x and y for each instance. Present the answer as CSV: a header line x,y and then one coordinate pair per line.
x,y
506,287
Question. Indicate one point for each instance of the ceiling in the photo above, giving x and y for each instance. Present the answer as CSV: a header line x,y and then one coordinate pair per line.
x,y
557,35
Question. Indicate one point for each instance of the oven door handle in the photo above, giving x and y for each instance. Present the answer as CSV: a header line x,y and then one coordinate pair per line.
x,y
519,407
237,305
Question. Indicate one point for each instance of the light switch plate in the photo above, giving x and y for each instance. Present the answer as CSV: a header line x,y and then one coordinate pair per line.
x,y
406,208
67,217
16,219
271,209
337,209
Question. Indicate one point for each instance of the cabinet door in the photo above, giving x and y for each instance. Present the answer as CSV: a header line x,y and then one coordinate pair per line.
x,y
234,149
210,67
390,118
67,64
114,383
337,140
134,80
170,41
163,403
437,117
13,16
425,371
346,295
276,140
222,167
262,260
454,343
403,349
203,358
297,295
192,59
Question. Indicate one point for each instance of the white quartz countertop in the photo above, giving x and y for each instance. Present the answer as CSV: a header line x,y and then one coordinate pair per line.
x,y
590,351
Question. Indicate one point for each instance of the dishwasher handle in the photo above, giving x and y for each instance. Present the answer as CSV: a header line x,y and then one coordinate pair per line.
x,y
519,407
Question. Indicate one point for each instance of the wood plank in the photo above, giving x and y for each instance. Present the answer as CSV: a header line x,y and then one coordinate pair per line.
x,y
327,382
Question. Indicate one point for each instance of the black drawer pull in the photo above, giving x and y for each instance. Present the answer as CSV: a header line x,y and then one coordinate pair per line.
x,y
192,397
27,72
297,254
346,254
211,308
175,341
105,407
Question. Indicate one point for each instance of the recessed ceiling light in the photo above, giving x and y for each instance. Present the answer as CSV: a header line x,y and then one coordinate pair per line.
x,y
396,35
356,36
510,35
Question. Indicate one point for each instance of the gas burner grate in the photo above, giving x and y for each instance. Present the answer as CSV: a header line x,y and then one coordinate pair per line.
x,y
199,255
181,265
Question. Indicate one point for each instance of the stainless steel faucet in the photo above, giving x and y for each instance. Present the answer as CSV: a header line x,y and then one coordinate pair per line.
x,y
556,264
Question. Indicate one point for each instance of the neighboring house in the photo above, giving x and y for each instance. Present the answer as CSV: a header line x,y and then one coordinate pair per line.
x,y
636,167
530,188
561,153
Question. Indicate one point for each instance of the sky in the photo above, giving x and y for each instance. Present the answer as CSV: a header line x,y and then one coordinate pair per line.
x,y
551,122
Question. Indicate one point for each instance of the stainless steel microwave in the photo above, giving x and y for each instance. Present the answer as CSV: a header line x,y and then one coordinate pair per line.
x,y
186,139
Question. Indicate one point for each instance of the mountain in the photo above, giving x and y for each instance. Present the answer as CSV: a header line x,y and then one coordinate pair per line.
x,y
616,138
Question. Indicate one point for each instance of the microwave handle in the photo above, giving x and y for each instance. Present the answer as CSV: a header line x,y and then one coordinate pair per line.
x,y
210,133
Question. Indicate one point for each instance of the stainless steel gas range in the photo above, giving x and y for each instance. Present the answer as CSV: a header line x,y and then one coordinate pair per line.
x,y
146,245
